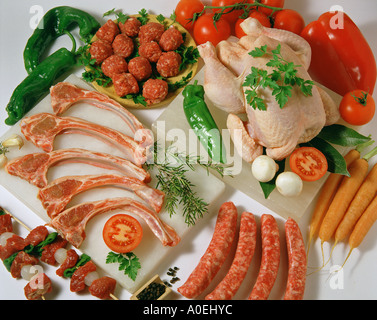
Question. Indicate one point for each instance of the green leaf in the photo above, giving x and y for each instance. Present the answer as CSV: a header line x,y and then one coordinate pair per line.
x,y
268,187
342,136
128,263
335,161
259,52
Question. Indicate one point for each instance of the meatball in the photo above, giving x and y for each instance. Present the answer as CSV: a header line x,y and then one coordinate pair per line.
x,y
140,68
152,31
171,39
131,27
155,90
125,83
108,31
100,50
123,45
114,65
168,64
151,51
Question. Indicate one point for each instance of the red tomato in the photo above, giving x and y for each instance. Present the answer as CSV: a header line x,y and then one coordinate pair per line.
x,y
309,163
122,233
204,30
261,17
289,20
185,11
357,107
271,3
232,16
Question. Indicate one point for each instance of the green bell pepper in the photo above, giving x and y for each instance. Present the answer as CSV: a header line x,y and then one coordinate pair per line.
x,y
202,122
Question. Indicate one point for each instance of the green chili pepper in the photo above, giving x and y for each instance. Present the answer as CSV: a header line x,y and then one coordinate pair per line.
x,y
54,24
38,83
202,122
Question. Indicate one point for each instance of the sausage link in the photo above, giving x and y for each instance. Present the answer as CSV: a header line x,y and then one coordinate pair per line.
x,y
297,261
229,286
216,253
270,259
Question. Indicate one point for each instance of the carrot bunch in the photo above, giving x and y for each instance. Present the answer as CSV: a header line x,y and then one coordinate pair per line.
x,y
347,205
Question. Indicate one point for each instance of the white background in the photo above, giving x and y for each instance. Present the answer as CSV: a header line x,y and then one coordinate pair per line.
x,y
358,279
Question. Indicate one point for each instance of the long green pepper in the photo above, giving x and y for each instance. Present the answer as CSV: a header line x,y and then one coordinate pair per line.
x,y
43,74
201,121
55,23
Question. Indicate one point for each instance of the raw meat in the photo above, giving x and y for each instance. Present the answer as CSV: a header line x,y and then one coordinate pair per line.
x,y
74,229
64,95
41,129
59,193
33,167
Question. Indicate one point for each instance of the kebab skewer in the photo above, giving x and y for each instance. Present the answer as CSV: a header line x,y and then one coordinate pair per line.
x,y
50,247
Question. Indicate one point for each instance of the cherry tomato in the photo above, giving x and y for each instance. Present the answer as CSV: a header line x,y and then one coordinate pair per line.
x,y
122,233
271,3
289,20
357,108
309,163
232,16
261,17
185,11
204,30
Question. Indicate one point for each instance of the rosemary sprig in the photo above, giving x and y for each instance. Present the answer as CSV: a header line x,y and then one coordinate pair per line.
x,y
178,189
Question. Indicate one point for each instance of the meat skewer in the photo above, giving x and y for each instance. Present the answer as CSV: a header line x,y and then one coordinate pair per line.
x,y
40,283
42,128
34,167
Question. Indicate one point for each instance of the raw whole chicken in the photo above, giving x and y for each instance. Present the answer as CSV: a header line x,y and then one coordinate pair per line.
x,y
277,129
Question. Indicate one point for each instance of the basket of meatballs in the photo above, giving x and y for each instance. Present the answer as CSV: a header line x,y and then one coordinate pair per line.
x,y
142,61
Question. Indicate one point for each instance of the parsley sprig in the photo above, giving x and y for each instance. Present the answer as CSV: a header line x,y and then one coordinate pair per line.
x,y
281,80
128,262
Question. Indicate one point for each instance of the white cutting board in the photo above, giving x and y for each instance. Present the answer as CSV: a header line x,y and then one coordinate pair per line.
x,y
242,179
150,252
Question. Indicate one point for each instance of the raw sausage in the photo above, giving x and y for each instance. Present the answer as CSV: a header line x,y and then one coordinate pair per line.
x,y
270,259
229,286
297,261
216,253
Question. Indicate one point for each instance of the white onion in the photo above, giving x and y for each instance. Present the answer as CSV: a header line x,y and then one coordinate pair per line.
x,y
29,271
264,168
60,255
289,184
90,277
4,237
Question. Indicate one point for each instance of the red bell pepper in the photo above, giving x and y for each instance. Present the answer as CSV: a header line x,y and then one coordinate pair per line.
x,y
342,59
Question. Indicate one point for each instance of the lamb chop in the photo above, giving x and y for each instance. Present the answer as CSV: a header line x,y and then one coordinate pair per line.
x,y
42,128
71,223
34,167
64,95
56,196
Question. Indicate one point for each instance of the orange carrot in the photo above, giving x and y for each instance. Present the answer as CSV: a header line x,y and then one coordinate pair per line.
x,y
362,226
327,194
342,199
358,205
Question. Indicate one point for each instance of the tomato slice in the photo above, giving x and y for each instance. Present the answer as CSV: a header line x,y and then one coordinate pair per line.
x,y
309,163
122,233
